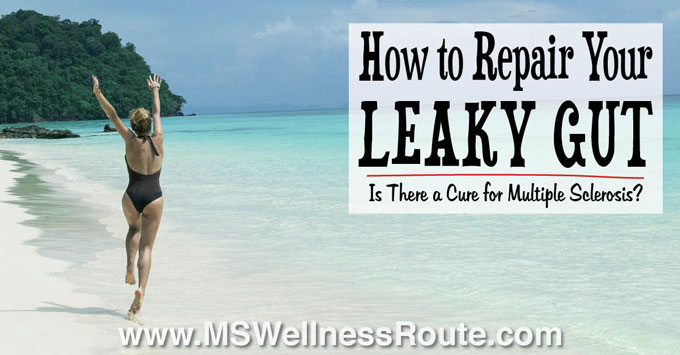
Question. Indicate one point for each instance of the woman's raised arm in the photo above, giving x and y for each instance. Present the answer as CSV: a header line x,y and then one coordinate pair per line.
x,y
154,84
110,112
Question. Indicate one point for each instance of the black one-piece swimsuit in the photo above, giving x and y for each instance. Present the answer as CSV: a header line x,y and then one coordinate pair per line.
x,y
143,189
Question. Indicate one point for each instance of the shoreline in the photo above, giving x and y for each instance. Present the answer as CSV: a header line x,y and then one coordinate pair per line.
x,y
41,312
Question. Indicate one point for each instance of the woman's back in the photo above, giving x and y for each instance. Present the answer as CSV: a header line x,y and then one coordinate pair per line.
x,y
140,154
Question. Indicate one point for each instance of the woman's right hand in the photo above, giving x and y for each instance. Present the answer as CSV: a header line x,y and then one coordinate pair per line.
x,y
154,82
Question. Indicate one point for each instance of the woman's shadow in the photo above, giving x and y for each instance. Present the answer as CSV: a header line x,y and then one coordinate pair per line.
x,y
56,307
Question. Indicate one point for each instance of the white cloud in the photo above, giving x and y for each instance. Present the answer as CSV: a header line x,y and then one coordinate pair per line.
x,y
364,5
673,15
335,29
279,27
479,11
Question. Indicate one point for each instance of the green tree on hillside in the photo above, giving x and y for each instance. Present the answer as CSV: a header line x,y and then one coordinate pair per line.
x,y
45,65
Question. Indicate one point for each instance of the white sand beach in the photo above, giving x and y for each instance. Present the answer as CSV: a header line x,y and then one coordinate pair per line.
x,y
255,228
39,312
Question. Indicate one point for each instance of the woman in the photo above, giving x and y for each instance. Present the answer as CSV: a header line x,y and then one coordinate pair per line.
x,y
143,199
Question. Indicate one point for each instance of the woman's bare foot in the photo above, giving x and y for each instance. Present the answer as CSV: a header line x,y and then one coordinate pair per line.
x,y
136,305
130,276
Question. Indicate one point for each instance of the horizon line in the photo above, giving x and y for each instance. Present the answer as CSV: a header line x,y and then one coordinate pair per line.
x,y
306,109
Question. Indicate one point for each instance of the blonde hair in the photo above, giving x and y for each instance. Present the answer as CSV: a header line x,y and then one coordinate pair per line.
x,y
140,121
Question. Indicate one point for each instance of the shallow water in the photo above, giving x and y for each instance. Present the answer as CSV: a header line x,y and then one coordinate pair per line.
x,y
256,228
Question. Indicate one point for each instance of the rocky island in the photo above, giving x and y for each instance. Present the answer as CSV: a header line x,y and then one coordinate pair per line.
x,y
34,131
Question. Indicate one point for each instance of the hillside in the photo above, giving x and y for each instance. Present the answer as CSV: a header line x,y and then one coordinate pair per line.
x,y
45,66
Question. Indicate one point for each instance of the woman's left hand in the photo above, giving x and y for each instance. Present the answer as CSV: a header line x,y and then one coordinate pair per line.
x,y
95,84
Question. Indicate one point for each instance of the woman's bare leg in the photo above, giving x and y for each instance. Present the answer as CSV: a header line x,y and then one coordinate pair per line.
x,y
134,220
151,219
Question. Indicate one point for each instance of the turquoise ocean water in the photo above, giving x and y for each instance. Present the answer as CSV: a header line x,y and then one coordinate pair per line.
x,y
256,228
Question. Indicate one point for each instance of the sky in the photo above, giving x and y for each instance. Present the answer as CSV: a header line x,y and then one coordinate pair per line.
x,y
235,56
